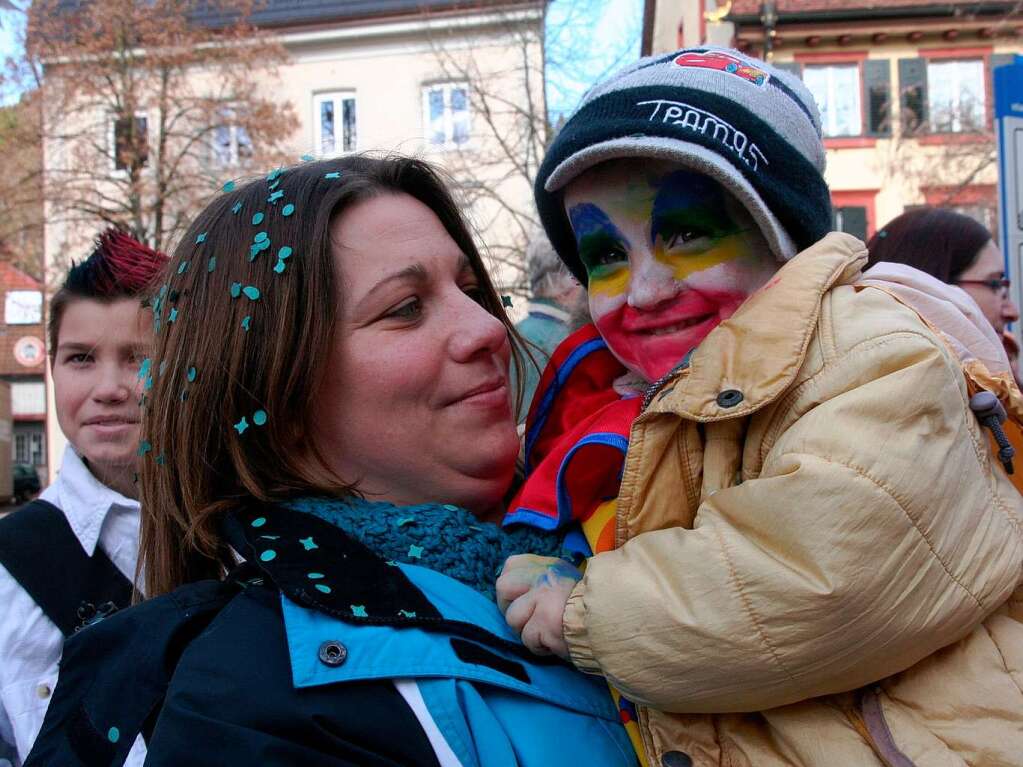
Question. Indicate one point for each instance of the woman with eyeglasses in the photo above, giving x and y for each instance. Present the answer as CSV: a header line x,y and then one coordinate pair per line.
x,y
957,250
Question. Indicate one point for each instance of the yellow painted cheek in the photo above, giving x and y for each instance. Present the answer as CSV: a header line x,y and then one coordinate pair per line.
x,y
613,284
684,265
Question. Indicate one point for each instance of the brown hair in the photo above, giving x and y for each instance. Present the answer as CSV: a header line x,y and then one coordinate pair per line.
x,y
938,241
118,267
209,371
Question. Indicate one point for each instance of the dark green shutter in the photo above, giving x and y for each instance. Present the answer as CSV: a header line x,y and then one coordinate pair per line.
x,y
852,220
913,92
877,91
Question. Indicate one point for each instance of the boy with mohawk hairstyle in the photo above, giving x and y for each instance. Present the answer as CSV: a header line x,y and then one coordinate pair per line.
x,y
804,551
68,558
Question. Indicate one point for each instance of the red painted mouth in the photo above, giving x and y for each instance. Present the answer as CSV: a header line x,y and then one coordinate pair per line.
x,y
654,342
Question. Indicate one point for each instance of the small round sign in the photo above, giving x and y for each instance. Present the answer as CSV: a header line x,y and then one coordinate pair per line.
x,y
29,351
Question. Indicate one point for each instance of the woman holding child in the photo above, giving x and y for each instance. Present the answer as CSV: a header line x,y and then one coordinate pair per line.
x,y
328,405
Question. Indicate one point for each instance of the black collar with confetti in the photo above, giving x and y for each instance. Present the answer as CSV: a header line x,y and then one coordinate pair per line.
x,y
316,564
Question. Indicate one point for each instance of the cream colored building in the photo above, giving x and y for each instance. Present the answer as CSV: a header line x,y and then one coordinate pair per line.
x,y
395,75
904,87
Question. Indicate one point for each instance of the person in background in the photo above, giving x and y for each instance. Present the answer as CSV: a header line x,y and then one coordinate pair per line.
x,y
555,295
68,558
959,251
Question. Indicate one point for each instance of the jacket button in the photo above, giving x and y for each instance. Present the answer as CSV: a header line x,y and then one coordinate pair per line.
x,y
333,653
676,759
729,398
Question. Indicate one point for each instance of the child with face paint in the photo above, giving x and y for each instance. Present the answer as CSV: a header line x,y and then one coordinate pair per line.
x,y
800,549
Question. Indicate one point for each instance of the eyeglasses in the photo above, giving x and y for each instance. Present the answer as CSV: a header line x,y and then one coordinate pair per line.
x,y
999,285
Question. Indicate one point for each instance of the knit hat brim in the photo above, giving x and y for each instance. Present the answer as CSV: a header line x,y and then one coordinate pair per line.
x,y
687,155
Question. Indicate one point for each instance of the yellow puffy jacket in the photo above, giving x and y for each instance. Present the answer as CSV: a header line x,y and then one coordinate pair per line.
x,y
817,557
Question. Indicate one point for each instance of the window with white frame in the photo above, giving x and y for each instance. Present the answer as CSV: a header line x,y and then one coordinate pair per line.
x,y
956,101
28,447
23,307
981,213
334,123
446,114
129,142
231,144
836,89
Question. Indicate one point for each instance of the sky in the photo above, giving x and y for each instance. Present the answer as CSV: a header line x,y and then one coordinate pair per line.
x,y
11,29
586,40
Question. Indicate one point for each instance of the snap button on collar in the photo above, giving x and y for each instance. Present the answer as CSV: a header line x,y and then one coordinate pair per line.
x,y
729,398
333,653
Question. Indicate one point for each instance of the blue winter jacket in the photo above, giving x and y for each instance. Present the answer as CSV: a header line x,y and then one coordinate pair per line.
x,y
321,654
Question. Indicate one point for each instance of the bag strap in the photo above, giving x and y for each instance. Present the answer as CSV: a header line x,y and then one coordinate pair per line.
x,y
41,552
114,675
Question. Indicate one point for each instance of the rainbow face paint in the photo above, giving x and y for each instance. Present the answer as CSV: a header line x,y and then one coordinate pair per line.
x,y
669,255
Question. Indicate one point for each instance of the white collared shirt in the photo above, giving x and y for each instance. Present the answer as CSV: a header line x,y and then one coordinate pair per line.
x,y
30,643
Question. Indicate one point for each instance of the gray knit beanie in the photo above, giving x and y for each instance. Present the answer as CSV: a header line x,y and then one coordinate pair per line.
x,y
751,127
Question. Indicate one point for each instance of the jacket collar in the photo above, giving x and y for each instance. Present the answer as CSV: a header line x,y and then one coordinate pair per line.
x,y
545,307
757,352
317,565
85,500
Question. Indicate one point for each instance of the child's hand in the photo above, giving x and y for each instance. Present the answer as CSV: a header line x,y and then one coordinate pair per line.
x,y
532,592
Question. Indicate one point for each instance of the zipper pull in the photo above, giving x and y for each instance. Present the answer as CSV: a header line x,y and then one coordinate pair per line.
x,y
991,414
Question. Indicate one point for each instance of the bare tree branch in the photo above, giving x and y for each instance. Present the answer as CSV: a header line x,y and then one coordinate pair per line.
x,y
138,107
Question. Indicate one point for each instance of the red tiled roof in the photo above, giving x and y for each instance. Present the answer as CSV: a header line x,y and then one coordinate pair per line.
x,y
752,7
12,278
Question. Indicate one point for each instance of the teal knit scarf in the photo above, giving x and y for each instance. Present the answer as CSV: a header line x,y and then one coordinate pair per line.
x,y
443,537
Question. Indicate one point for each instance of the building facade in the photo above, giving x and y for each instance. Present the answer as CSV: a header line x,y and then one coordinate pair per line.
x,y
23,364
444,80
904,89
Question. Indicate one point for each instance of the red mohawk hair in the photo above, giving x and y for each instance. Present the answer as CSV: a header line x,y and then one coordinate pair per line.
x,y
119,266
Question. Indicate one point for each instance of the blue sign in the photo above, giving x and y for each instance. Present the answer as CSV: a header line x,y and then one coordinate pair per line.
x,y
1009,120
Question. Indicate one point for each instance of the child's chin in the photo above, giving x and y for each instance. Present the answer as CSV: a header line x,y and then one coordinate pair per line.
x,y
661,357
